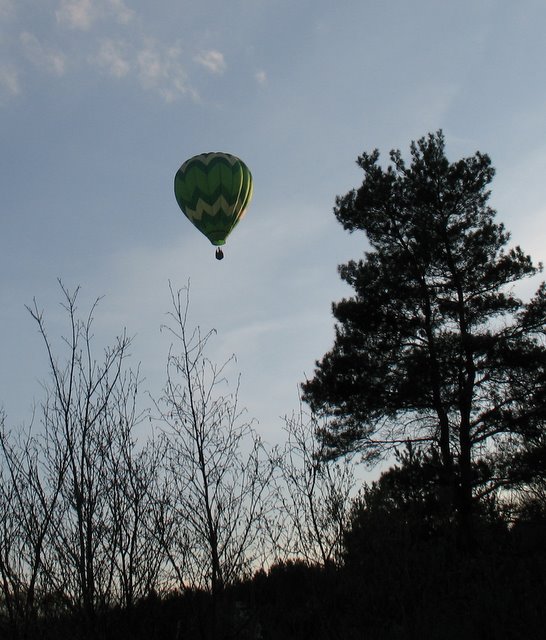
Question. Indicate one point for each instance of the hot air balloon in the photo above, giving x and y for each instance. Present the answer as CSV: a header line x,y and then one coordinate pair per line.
x,y
213,190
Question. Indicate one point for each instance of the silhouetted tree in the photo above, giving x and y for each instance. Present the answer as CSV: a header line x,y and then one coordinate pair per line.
x,y
405,568
435,346
132,473
313,496
88,417
214,495
29,497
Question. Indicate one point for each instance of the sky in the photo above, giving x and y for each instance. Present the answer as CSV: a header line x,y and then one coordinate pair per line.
x,y
102,100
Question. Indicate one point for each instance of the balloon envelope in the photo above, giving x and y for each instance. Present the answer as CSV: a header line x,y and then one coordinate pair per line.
x,y
213,190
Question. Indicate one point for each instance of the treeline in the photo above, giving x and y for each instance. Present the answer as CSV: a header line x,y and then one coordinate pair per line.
x,y
94,521
397,571
438,368
201,532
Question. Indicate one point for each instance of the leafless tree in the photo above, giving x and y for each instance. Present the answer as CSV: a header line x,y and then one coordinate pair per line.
x,y
133,553
88,415
28,501
217,473
313,496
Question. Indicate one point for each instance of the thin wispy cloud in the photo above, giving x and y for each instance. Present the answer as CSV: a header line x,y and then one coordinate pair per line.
x,y
212,60
76,14
157,68
82,14
9,82
161,69
112,58
114,41
153,67
122,13
41,56
7,8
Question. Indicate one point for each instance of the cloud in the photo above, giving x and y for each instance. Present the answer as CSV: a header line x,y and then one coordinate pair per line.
x,y
7,8
156,67
162,70
76,14
41,56
82,14
122,13
212,60
123,53
152,65
9,81
261,77
111,57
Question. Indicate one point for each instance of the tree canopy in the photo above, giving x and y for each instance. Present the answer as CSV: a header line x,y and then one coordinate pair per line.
x,y
435,345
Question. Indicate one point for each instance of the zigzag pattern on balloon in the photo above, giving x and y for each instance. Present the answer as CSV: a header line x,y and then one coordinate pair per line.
x,y
212,169
212,176
218,179
220,205
213,191
191,194
210,158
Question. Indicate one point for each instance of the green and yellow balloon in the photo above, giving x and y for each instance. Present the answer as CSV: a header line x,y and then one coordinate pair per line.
x,y
214,190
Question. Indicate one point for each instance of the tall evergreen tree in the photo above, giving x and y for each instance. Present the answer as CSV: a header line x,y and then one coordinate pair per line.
x,y
435,345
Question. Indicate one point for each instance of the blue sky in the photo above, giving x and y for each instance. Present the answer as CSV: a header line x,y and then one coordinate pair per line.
x,y
102,100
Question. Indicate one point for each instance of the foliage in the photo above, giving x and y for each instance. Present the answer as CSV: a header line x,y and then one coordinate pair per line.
x,y
434,346
407,577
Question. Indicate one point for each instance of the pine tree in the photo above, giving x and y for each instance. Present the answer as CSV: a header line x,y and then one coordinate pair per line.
x,y
435,346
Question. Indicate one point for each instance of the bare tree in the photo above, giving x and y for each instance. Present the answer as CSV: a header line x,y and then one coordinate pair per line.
x,y
217,472
13,572
138,555
313,496
85,416
28,501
